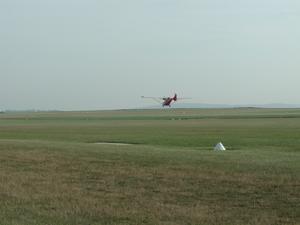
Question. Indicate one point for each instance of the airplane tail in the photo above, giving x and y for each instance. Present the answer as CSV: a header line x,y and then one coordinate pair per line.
x,y
175,97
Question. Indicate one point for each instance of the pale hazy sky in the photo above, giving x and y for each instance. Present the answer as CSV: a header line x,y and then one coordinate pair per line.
x,y
97,54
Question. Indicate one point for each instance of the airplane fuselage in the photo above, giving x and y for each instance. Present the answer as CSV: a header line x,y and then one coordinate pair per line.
x,y
167,102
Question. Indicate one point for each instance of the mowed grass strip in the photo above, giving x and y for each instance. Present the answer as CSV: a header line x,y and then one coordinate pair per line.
x,y
65,183
243,127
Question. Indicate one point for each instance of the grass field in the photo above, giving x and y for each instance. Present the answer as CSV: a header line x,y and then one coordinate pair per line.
x,y
52,172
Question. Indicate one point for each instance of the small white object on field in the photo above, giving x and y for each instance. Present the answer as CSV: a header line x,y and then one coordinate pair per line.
x,y
219,147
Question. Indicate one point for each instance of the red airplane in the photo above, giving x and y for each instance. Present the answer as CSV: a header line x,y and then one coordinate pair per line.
x,y
166,100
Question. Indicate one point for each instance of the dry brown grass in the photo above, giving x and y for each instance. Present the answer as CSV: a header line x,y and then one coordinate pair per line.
x,y
47,186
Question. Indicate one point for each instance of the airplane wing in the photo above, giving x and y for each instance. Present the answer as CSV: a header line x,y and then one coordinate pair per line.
x,y
159,100
183,98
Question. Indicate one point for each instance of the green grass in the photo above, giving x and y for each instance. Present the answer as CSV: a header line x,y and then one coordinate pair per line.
x,y
51,171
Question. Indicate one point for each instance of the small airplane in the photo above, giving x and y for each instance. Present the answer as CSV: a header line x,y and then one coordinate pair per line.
x,y
165,101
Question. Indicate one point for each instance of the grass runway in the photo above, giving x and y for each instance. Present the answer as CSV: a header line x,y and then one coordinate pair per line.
x,y
52,172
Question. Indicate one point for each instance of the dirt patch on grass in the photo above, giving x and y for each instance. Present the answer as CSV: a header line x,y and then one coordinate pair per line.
x,y
113,143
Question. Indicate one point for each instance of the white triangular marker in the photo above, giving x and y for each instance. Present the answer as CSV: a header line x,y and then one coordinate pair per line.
x,y
219,147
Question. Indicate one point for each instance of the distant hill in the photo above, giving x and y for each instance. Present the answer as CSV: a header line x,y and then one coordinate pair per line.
x,y
216,106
